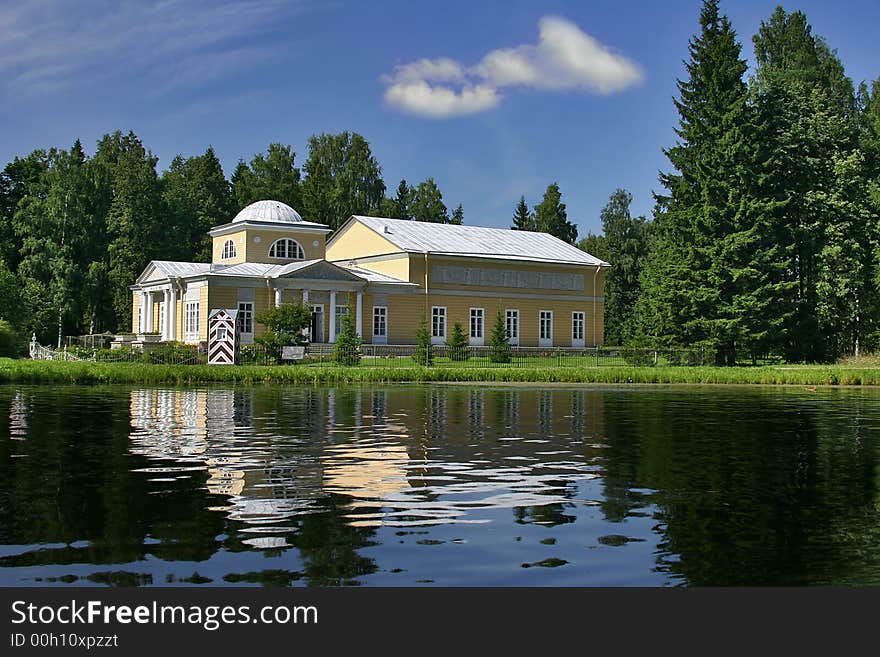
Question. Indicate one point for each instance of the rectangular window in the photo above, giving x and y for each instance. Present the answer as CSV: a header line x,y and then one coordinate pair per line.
x,y
341,311
245,317
380,321
221,333
191,321
162,326
577,326
545,328
477,323
438,323
513,326
140,326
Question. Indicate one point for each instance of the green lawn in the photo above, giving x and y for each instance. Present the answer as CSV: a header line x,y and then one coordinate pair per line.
x,y
28,371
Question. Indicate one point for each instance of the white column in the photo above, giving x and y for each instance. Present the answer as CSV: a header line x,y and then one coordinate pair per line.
x,y
166,330
277,297
332,318
307,330
359,309
143,325
148,312
172,322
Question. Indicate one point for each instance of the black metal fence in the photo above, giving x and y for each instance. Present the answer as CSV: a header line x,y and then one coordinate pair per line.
x,y
410,356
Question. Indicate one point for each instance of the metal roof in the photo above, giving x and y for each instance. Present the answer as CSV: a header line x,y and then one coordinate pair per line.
x,y
477,241
374,277
174,269
274,211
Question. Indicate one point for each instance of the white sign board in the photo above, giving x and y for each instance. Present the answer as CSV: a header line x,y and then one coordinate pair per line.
x,y
293,353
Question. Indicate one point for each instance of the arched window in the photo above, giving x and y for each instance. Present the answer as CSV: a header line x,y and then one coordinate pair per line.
x,y
228,250
286,248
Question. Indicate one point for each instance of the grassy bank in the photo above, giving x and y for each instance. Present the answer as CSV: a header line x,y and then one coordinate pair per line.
x,y
27,371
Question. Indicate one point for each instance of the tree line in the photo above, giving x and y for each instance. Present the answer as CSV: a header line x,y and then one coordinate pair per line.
x,y
764,239
77,230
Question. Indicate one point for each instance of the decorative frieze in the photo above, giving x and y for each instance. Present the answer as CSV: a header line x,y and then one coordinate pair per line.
x,y
513,278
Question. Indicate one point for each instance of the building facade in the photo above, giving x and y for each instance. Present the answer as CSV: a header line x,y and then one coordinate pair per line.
x,y
389,273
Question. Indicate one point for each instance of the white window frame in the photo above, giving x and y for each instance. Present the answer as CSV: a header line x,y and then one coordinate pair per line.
x,y
512,336
382,315
578,328
191,311
545,315
291,246
438,324
229,251
341,311
477,338
245,320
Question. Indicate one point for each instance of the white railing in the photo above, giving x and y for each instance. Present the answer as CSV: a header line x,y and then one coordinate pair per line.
x,y
39,352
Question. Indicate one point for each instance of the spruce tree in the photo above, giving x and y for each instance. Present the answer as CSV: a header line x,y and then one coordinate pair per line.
x,y
457,345
424,353
457,216
551,217
347,349
499,344
523,219
709,279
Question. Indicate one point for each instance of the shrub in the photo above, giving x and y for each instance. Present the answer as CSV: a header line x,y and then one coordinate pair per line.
x,y
424,353
172,353
347,350
457,345
499,345
284,326
637,352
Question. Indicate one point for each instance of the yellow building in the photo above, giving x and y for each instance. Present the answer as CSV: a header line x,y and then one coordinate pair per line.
x,y
389,273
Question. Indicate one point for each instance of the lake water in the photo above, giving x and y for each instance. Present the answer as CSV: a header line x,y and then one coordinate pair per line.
x,y
439,486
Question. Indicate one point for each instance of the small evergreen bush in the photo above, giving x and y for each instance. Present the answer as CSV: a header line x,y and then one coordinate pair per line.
x,y
499,345
347,350
424,354
457,346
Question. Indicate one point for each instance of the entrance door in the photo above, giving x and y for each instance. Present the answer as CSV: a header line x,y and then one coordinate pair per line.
x,y
545,329
577,328
316,333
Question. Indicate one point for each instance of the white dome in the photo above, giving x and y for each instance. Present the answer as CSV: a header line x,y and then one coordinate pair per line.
x,y
275,211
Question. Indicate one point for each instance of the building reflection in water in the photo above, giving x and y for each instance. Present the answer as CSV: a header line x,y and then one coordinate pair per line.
x,y
408,456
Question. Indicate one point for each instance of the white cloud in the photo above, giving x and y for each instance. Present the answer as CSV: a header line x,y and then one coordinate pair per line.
x,y
430,70
436,102
565,57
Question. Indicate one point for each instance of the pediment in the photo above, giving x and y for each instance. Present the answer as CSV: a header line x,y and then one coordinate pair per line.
x,y
321,270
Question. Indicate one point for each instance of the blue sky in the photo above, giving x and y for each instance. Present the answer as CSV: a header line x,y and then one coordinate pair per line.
x,y
492,99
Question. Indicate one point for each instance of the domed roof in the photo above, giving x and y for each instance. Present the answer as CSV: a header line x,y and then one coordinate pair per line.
x,y
274,211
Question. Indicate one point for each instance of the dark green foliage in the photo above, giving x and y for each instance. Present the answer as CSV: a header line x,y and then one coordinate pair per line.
x,y
11,342
499,345
457,216
626,248
347,349
284,326
427,203
197,197
523,219
424,354
457,346
342,178
273,176
551,217
714,273
596,246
